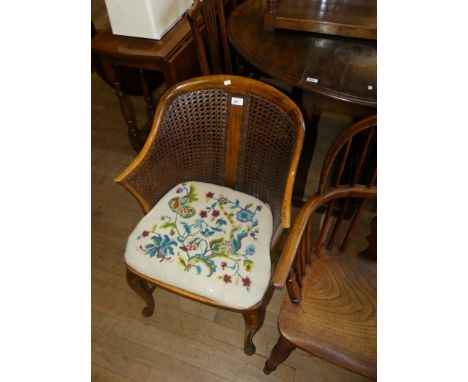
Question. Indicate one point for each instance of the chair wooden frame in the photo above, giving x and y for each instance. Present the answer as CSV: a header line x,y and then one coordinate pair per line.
x,y
212,14
295,261
238,87
299,253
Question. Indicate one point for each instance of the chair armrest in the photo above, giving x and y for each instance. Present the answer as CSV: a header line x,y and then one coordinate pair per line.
x,y
290,248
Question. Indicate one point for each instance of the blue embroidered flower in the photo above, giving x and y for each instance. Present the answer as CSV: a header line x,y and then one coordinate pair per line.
x,y
250,250
161,246
244,215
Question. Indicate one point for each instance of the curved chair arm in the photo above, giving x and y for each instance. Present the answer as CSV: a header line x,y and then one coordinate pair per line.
x,y
291,246
145,177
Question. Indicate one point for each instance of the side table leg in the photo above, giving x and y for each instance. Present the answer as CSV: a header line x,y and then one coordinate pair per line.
x,y
125,105
128,114
150,108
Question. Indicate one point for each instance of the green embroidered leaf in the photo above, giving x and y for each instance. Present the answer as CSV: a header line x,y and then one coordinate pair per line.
x,y
210,264
218,254
192,195
168,225
181,261
215,243
186,227
248,205
207,233
154,228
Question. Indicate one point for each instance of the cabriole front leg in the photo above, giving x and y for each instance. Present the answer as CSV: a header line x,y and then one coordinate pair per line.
x,y
253,322
142,288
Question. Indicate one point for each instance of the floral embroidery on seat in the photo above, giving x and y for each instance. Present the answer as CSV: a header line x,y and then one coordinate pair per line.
x,y
209,241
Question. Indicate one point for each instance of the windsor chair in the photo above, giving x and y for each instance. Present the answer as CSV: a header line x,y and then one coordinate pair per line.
x,y
215,182
330,308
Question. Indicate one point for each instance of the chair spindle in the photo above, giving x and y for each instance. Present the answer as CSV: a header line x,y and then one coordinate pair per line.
x,y
352,225
363,157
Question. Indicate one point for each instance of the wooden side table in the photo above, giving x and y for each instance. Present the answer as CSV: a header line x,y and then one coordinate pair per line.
x,y
174,55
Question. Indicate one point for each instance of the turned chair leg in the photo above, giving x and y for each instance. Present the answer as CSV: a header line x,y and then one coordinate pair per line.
x,y
253,322
142,288
279,354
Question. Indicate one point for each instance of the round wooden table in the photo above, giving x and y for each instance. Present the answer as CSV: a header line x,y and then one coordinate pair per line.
x,y
339,73
342,69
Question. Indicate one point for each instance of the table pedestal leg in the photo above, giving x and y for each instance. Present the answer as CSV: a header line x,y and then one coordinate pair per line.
x,y
308,148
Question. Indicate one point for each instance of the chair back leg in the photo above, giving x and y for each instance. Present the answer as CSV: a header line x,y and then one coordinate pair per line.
x,y
279,354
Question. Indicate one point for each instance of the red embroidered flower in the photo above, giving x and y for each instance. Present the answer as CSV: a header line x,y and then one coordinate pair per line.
x,y
145,233
227,279
184,248
209,194
215,213
259,208
179,190
203,214
223,265
246,282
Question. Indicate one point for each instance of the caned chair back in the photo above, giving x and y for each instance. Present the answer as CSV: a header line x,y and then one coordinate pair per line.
x,y
226,130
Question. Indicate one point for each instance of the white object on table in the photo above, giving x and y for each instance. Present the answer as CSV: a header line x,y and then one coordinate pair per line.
x,y
145,18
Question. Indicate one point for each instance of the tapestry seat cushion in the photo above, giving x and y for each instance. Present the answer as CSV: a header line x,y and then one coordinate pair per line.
x,y
210,240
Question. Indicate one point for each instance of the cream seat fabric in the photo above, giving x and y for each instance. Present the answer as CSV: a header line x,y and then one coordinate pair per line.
x,y
207,239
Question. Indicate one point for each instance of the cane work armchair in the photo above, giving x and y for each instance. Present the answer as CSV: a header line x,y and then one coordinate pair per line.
x,y
330,308
214,180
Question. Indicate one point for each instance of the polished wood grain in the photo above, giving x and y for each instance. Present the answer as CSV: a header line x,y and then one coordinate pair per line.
x,y
130,78
233,142
337,318
210,15
349,18
371,251
331,308
174,56
346,69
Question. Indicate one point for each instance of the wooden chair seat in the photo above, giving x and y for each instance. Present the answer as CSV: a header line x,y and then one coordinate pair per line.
x,y
337,317
206,239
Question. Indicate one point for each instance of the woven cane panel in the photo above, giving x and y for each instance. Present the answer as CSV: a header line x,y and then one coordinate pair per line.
x,y
190,145
267,142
